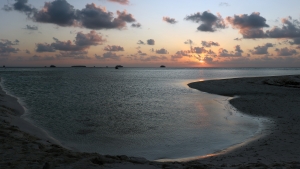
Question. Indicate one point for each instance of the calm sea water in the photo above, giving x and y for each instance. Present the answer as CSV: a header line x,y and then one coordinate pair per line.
x,y
147,112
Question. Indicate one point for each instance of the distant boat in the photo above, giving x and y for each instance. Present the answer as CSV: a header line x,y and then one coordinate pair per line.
x,y
162,66
78,66
52,66
118,66
3,65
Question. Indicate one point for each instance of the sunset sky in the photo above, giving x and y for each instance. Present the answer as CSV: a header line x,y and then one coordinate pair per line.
x,y
141,33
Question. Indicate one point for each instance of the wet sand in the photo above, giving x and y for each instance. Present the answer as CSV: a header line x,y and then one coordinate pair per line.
x,y
278,98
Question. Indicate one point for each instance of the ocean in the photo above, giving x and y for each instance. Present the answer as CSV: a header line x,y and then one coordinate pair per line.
x,y
144,112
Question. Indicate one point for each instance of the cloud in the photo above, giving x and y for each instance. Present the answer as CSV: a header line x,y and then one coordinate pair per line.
x,y
289,29
141,53
44,47
108,55
285,52
27,51
153,58
94,17
58,12
123,2
150,42
261,50
38,58
61,13
180,54
209,43
169,20
209,21
6,47
237,39
21,5
161,51
113,48
223,4
250,26
189,42
33,27
7,8
125,17
208,59
246,21
73,54
141,42
296,41
81,42
236,53
89,39
199,50
210,53
136,25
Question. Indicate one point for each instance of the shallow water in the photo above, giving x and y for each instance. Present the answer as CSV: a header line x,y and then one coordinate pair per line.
x,y
145,112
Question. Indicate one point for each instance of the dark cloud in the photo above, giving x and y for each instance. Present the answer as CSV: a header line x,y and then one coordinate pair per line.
x,y
113,48
123,2
108,55
33,27
209,43
189,42
199,50
89,39
22,6
153,58
150,42
261,50
136,25
246,21
141,42
82,41
44,47
60,12
236,53
27,51
285,52
209,21
296,41
6,47
161,51
169,20
65,45
94,17
289,29
250,26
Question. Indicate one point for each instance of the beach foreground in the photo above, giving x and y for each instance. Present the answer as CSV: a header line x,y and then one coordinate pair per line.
x,y
278,98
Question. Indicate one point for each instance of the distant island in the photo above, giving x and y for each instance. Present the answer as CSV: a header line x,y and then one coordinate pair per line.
x,y
162,66
118,66
52,66
78,66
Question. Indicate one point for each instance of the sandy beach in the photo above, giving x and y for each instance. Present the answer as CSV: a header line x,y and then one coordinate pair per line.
x,y
277,98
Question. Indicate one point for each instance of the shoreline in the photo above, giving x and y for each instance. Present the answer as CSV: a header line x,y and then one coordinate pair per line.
x,y
278,148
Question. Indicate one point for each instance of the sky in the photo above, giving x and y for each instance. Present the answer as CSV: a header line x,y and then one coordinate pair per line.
x,y
142,33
